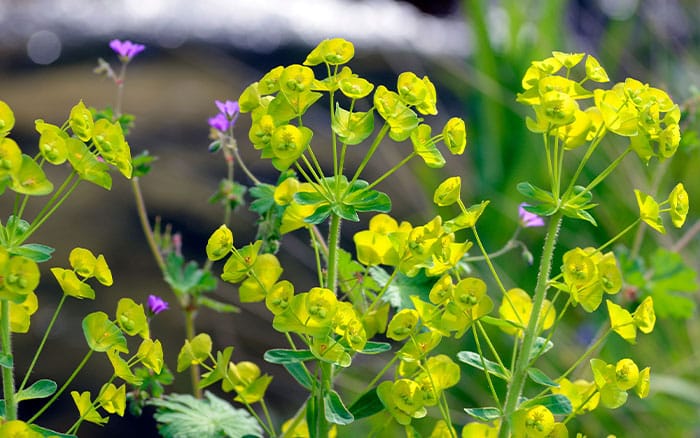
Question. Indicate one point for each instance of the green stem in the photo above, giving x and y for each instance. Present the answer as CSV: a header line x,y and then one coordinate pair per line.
x,y
145,225
494,394
370,152
333,246
391,171
381,373
63,388
519,375
8,379
190,314
602,175
323,426
39,220
241,163
43,342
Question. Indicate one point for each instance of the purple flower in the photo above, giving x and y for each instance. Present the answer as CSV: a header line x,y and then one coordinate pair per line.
x,y
156,304
219,122
229,108
528,219
228,113
126,49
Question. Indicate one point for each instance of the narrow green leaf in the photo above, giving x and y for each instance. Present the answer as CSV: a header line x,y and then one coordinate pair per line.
x,y
40,389
484,414
6,361
372,347
309,198
34,251
319,215
540,347
538,376
345,211
300,374
335,410
499,322
533,192
48,433
367,405
473,359
558,404
312,415
218,305
282,356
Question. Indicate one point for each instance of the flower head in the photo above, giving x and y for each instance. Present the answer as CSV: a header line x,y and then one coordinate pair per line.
x,y
528,219
228,113
156,304
219,122
126,49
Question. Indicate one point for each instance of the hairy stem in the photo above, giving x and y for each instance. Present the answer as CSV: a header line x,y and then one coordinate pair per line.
x,y
519,375
8,378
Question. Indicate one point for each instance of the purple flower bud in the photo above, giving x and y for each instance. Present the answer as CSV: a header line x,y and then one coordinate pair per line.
x,y
126,49
528,219
156,304
219,122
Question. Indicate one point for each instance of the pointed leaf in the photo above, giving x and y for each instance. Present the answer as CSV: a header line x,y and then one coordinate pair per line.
x,y
540,347
535,193
484,414
335,410
367,405
319,215
40,389
558,404
538,376
218,305
34,251
372,347
6,361
300,374
48,433
473,359
282,356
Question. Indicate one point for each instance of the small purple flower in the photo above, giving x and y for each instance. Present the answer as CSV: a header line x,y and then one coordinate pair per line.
x,y
228,113
126,49
219,122
156,304
528,219
229,108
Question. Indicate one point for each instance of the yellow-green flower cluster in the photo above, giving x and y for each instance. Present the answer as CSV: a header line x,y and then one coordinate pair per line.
x,y
626,324
614,380
454,307
431,246
588,274
537,422
419,385
516,309
19,277
644,114
650,210
333,328
85,266
105,335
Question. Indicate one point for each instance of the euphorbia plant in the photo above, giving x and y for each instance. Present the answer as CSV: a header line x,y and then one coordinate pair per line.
x,y
88,148
411,282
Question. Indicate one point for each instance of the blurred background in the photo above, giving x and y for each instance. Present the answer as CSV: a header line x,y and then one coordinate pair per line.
x,y
475,51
